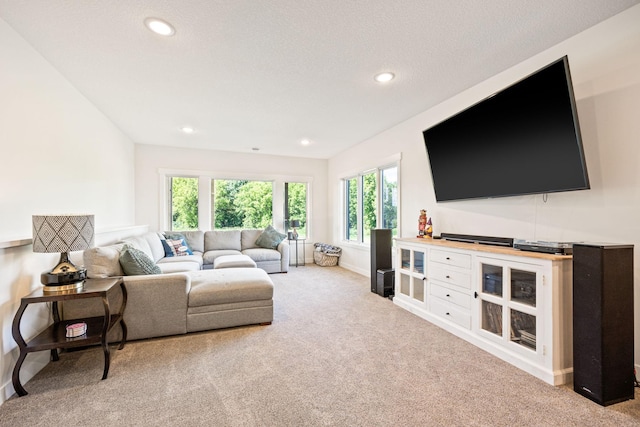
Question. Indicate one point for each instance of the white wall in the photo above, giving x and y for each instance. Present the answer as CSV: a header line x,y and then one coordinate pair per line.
x,y
605,67
151,161
59,155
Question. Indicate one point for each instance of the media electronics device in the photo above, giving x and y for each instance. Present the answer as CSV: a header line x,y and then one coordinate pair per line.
x,y
524,139
560,248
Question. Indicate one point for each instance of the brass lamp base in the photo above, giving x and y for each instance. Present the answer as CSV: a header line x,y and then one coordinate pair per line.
x,y
65,277
70,288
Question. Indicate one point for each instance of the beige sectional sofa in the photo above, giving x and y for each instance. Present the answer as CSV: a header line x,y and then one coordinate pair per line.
x,y
188,295
209,245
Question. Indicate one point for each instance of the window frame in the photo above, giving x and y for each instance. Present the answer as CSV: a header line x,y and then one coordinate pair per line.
x,y
205,195
285,207
388,164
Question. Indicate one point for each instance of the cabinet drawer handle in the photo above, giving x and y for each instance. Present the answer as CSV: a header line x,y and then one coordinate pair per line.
x,y
448,277
448,259
448,295
447,313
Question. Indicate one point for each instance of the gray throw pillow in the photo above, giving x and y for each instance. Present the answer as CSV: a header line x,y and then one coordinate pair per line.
x,y
270,238
135,262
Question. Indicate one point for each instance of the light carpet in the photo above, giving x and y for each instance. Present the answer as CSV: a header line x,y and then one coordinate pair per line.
x,y
335,355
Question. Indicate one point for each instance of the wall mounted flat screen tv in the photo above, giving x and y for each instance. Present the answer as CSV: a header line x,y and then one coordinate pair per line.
x,y
524,139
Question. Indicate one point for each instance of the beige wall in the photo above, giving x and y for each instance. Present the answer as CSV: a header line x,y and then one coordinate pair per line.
x,y
605,66
59,155
43,119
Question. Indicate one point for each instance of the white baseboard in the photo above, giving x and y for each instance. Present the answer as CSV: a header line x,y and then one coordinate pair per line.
x,y
353,268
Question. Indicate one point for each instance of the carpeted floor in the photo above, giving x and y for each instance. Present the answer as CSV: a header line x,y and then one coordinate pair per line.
x,y
335,355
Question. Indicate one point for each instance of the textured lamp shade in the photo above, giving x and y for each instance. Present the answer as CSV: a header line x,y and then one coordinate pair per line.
x,y
63,234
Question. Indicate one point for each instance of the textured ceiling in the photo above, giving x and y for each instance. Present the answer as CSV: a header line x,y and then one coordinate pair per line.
x,y
267,74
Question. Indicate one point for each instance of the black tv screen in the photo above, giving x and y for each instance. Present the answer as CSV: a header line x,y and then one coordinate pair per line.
x,y
524,139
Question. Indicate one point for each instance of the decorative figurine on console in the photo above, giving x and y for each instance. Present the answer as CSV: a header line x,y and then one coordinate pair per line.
x,y
425,228
422,223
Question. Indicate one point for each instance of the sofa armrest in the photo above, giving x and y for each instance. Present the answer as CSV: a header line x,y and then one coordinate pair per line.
x,y
283,248
156,305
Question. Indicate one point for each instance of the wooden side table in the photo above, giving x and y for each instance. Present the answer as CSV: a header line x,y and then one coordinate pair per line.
x,y
54,337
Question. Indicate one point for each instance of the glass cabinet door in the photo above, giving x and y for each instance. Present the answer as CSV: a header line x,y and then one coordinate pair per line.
x,y
523,291
405,284
492,279
418,262
508,302
405,259
491,318
412,273
418,289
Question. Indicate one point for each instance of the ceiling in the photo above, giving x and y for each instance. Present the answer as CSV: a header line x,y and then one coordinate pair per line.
x,y
266,74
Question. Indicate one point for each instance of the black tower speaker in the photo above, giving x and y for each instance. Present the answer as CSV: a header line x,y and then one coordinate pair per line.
x,y
380,253
603,322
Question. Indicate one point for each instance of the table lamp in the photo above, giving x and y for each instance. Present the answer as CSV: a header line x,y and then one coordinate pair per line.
x,y
295,224
63,234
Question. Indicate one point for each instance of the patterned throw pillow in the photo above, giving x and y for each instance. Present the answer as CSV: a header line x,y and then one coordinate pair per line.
x,y
175,235
270,238
176,247
135,262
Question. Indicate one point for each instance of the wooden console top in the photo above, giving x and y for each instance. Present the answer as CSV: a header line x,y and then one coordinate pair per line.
x,y
484,248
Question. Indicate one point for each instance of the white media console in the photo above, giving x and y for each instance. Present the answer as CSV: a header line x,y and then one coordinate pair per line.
x,y
516,305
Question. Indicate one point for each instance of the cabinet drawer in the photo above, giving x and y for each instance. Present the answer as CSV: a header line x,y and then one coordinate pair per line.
x,y
451,258
452,277
450,313
456,297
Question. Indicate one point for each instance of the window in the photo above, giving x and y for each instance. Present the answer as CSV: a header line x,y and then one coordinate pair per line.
x,y
351,211
371,201
241,204
295,196
389,202
184,203
369,205
203,201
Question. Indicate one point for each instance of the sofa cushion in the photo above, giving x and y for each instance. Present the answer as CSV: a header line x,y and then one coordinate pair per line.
x,y
178,267
222,239
261,254
141,243
270,238
233,261
135,262
196,258
103,261
210,287
249,238
155,243
194,239
209,256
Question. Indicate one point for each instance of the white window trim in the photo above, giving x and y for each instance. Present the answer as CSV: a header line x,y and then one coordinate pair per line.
x,y
388,162
204,194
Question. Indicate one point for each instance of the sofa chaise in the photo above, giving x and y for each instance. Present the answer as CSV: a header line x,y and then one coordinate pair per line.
x,y
186,294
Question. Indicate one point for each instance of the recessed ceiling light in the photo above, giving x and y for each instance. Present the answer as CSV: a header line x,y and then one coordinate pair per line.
x,y
255,149
187,129
159,26
305,142
384,77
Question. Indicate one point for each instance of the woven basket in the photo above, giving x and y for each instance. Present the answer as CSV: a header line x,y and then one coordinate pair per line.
x,y
325,260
